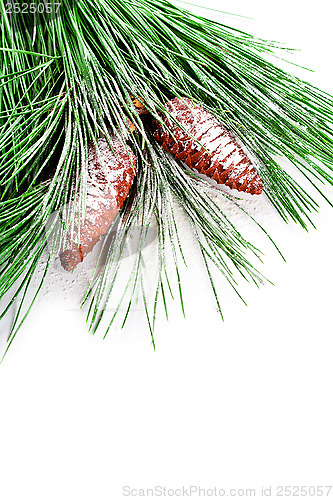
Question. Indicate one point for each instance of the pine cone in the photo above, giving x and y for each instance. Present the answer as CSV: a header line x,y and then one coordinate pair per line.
x,y
110,177
224,161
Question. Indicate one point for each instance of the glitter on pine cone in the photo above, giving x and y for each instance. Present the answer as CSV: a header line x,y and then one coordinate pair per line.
x,y
110,176
220,158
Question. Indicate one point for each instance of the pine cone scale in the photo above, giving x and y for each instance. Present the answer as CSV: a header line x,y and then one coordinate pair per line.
x,y
219,156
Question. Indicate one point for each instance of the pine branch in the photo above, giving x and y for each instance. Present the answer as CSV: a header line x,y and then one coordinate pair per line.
x,y
68,79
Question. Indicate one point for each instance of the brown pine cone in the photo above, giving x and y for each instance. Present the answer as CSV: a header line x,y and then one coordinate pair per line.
x,y
224,161
110,177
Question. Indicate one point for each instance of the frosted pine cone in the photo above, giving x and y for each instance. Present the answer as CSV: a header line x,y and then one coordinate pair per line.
x,y
110,177
224,161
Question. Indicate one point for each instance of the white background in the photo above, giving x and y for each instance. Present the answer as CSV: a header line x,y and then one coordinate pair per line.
x,y
235,405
